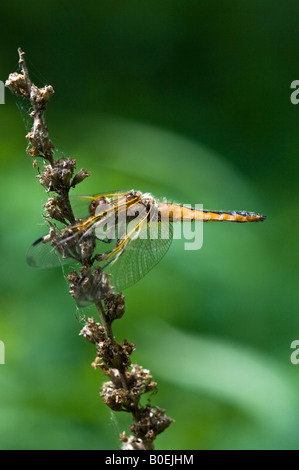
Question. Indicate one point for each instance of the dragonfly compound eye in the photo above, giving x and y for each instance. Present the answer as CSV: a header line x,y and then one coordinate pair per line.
x,y
92,207
96,203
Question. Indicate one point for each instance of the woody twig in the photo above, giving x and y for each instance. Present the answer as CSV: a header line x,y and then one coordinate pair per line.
x,y
127,382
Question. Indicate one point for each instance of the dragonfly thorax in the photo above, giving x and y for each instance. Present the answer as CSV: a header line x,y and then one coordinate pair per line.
x,y
148,201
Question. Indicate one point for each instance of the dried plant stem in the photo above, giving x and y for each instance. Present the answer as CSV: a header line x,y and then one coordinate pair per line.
x,y
127,382
105,324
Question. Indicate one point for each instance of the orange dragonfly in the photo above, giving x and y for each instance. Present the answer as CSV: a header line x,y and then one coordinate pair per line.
x,y
125,233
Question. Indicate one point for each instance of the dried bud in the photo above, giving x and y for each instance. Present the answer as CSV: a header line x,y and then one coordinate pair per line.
x,y
47,178
93,332
80,176
32,151
89,288
115,305
131,443
152,421
44,94
128,346
64,170
96,363
87,246
54,210
17,83
115,398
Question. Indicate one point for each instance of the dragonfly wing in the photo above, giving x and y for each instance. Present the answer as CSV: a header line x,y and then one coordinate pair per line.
x,y
80,205
44,255
140,256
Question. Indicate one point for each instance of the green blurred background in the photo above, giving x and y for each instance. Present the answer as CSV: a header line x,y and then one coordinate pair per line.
x,y
189,100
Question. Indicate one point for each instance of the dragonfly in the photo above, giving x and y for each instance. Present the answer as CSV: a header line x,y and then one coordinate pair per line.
x,y
125,233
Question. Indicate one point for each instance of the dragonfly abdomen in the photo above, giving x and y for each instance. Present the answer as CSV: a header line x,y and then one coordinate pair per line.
x,y
176,213
234,216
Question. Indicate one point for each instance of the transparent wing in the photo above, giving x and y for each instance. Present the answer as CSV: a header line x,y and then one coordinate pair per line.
x,y
69,244
44,255
140,256
81,203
